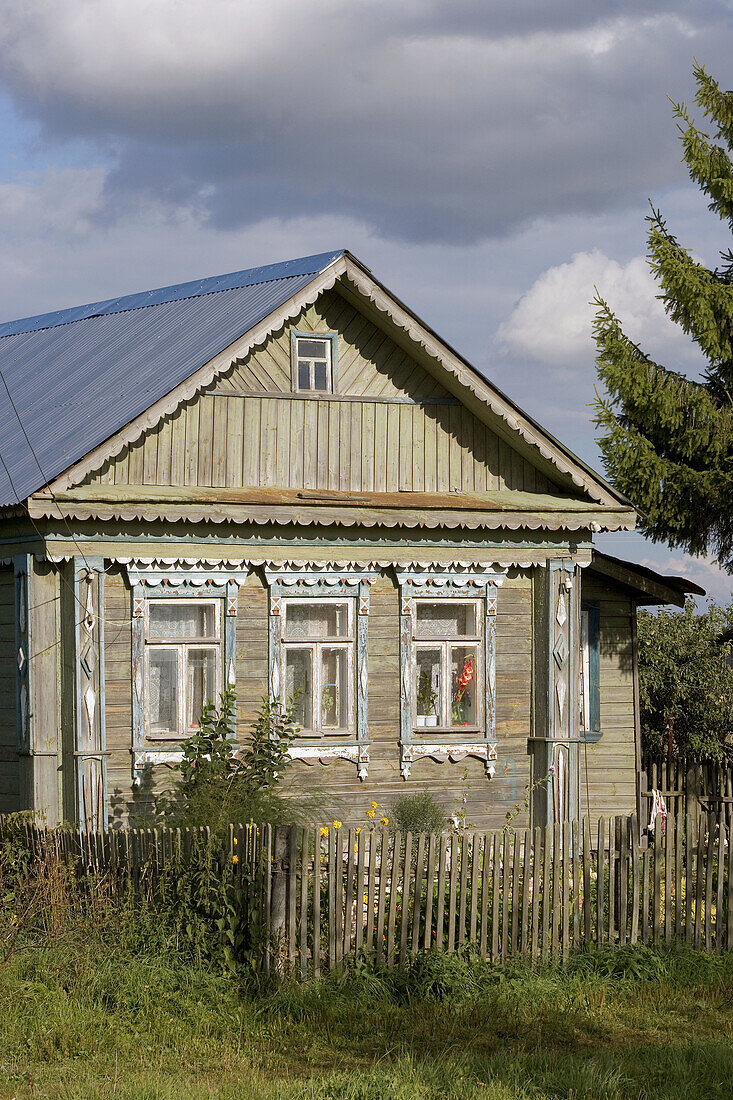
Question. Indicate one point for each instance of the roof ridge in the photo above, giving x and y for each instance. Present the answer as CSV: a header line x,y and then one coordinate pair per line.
x,y
176,292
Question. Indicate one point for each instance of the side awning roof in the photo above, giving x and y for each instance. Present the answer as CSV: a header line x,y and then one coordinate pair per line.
x,y
648,587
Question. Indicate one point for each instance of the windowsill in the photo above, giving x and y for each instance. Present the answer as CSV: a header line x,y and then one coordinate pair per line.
x,y
448,731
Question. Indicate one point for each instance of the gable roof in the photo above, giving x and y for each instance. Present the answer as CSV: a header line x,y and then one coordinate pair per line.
x,y
79,375
88,380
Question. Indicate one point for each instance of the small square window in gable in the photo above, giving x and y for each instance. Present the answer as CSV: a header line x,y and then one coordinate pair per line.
x,y
314,360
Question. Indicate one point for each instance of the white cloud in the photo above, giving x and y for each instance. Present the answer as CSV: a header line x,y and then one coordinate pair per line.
x,y
552,322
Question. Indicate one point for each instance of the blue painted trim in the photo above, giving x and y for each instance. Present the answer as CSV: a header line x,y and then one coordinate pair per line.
x,y
21,568
594,687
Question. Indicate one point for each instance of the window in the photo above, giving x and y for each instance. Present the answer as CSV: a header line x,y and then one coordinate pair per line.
x,y
313,363
447,664
182,663
590,673
318,664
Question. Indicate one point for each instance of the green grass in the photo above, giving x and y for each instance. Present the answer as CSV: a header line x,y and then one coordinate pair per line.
x,y
84,1015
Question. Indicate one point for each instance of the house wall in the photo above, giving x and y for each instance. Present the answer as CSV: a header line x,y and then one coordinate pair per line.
x,y
390,427
337,785
610,787
9,768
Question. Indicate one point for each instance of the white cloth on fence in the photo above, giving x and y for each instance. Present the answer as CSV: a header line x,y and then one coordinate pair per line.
x,y
659,810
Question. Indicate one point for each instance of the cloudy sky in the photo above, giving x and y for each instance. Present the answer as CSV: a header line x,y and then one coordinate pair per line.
x,y
490,160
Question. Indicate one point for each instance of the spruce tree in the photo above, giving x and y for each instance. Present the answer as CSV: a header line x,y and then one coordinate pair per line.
x,y
666,439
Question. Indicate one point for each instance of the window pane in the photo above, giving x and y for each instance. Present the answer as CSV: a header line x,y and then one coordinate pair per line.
x,y
427,687
163,690
200,683
334,689
313,349
174,619
448,619
299,684
464,686
304,378
317,620
319,376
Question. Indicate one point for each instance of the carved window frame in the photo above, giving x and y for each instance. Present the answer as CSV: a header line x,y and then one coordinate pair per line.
x,y
436,586
324,584
202,586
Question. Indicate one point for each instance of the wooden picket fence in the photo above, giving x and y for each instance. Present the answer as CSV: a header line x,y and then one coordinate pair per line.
x,y
312,901
690,784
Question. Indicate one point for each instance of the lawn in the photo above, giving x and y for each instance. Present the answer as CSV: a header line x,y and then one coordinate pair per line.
x,y
83,1015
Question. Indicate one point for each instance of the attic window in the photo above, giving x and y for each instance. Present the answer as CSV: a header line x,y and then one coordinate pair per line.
x,y
313,362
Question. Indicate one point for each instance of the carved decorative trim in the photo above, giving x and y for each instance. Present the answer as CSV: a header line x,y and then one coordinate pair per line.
x,y
484,750
197,574
326,754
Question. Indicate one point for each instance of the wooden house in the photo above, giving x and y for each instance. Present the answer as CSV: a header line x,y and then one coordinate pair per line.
x,y
282,479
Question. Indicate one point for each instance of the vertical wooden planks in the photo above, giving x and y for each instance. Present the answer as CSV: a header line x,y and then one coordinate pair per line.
x,y
639,884
689,890
417,904
371,888
505,890
440,913
623,904
657,891
536,893
427,941
587,873
546,890
495,890
317,869
720,869
576,841
383,876
349,901
516,895
405,898
475,864
396,854
487,843
465,848
566,852
556,895
359,899
526,890
305,846
709,872
452,888
668,862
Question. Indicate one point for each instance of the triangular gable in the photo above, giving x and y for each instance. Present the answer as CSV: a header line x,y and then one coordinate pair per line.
x,y
530,442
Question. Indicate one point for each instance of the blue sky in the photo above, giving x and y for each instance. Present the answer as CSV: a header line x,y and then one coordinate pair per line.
x,y
491,161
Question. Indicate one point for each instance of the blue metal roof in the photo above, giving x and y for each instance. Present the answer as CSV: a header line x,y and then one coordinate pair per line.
x,y
79,375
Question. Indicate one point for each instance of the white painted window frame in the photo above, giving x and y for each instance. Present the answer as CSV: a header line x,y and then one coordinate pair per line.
x,y
330,340
180,646
346,642
446,644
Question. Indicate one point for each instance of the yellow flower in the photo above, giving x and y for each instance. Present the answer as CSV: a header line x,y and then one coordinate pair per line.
x,y
370,813
336,823
235,841
358,829
384,820
235,859
373,805
324,830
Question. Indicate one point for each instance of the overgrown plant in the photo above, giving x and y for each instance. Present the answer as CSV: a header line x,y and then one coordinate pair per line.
x,y
223,783
417,813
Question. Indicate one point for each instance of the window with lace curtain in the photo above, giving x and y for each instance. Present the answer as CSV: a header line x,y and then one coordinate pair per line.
x,y
183,660
318,664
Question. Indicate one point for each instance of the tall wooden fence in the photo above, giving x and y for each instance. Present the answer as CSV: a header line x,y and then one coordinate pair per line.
x,y
312,901
690,785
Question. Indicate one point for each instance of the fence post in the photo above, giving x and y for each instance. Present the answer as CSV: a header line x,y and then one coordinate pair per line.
x,y
278,896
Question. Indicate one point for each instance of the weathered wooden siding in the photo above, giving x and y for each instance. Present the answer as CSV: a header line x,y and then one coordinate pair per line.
x,y
609,785
487,801
339,790
370,363
118,697
9,770
389,427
